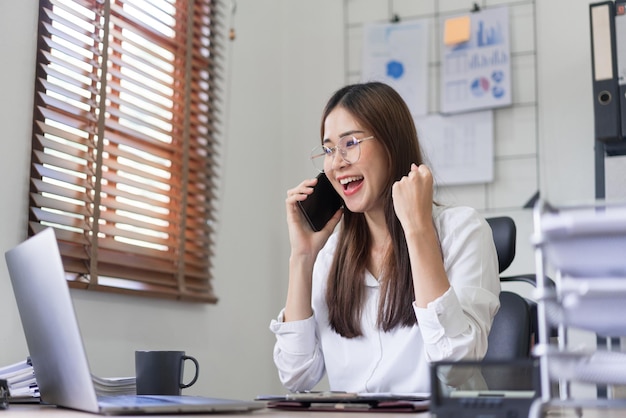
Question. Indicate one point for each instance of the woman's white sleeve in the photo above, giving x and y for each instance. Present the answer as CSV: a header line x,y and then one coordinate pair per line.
x,y
457,324
297,353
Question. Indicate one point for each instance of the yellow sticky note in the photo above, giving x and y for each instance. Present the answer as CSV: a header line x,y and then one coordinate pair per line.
x,y
457,30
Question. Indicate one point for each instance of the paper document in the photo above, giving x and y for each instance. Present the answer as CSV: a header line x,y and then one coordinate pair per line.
x,y
476,74
397,54
458,148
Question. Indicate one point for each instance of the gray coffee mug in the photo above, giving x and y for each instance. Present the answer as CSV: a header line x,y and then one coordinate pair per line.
x,y
162,372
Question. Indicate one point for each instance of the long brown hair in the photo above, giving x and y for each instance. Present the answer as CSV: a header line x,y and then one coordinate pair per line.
x,y
381,110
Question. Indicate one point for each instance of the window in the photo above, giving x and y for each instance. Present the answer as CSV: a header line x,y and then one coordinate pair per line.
x,y
123,147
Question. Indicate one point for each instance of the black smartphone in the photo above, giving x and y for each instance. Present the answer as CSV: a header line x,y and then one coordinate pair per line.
x,y
322,204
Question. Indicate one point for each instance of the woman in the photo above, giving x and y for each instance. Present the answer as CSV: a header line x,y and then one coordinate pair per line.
x,y
402,282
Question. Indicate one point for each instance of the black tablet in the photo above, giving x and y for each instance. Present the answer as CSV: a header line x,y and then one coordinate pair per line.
x,y
349,401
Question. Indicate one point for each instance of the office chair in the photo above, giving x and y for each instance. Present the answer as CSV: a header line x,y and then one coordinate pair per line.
x,y
514,327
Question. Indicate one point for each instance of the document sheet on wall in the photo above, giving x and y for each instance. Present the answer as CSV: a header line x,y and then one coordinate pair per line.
x,y
397,54
476,74
458,148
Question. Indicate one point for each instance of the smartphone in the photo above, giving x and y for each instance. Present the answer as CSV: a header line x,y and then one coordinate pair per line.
x,y
322,204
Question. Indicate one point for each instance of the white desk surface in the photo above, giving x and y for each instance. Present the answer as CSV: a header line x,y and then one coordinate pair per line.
x,y
23,411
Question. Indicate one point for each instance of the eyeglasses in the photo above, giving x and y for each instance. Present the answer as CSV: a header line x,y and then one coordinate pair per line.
x,y
348,148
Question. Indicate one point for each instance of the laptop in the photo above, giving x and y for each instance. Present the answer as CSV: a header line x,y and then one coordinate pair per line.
x,y
56,347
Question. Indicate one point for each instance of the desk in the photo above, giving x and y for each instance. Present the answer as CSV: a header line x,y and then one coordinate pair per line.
x,y
23,411
40,411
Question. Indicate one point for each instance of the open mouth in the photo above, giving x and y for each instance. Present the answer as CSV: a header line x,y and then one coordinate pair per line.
x,y
350,183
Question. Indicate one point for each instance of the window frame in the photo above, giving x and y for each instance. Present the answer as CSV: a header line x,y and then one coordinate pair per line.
x,y
123,163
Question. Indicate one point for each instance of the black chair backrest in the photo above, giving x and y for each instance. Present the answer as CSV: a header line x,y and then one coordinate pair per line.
x,y
511,331
510,335
504,235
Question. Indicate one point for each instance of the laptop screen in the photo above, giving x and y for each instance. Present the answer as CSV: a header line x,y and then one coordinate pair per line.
x,y
49,322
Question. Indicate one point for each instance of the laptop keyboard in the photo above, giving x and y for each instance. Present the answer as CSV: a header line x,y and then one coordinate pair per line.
x,y
132,400
147,400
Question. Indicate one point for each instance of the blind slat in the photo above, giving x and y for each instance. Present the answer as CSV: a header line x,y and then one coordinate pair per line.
x,y
87,56
38,186
59,205
63,176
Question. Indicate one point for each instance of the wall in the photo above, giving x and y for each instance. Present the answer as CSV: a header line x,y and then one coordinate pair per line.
x,y
289,55
231,339
516,152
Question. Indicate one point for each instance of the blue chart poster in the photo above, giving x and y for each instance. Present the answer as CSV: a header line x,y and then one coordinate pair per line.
x,y
476,74
397,54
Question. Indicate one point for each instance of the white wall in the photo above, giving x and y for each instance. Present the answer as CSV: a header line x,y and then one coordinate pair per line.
x,y
288,57
17,46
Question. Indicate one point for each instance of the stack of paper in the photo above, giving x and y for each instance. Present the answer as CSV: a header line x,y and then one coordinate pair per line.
x,y
21,381
22,384
584,364
595,304
111,386
586,242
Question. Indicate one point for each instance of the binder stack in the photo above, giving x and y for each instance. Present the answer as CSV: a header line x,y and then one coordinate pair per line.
x,y
20,381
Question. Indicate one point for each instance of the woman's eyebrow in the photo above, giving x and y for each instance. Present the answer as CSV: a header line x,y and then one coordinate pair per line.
x,y
352,132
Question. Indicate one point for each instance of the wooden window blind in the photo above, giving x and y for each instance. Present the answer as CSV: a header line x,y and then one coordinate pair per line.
x,y
123,148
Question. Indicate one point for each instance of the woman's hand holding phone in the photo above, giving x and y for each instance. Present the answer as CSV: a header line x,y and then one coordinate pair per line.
x,y
313,212
305,245
322,204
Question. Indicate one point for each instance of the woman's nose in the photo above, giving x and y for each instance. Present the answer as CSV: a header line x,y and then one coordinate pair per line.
x,y
338,161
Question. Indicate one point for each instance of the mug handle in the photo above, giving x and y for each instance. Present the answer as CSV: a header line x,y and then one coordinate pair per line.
x,y
182,360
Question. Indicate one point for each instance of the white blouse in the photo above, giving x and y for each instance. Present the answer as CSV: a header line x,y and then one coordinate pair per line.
x,y
452,327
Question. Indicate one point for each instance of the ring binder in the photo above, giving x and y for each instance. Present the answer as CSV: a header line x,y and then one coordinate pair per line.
x,y
620,37
606,88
